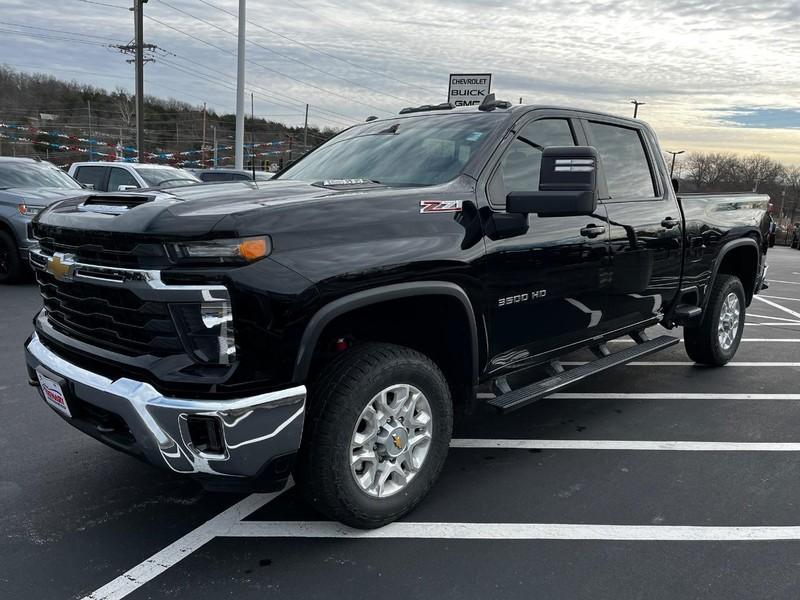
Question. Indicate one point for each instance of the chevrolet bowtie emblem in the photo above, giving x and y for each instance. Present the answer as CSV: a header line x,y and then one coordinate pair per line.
x,y
60,267
397,441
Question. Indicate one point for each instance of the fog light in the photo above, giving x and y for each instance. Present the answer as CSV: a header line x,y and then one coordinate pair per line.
x,y
207,330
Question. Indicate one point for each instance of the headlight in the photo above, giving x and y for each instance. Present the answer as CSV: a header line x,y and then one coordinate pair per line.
x,y
237,250
29,211
207,330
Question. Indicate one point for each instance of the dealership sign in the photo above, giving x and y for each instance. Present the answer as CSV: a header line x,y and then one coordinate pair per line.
x,y
467,90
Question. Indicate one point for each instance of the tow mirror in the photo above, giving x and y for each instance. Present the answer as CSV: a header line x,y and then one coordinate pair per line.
x,y
567,184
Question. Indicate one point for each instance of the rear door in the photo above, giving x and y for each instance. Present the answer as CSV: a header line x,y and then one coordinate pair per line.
x,y
644,219
545,285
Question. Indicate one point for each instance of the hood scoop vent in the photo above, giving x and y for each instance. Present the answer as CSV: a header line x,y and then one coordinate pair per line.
x,y
113,204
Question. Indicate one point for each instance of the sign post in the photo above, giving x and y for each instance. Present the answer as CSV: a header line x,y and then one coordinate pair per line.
x,y
468,89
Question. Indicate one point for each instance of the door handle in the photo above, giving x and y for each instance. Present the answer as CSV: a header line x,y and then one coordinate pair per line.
x,y
592,231
669,223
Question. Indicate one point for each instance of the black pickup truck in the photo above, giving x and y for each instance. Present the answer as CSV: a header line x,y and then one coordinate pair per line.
x,y
328,323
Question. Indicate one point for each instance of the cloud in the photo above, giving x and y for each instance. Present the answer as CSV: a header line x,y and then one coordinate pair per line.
x,y
692,61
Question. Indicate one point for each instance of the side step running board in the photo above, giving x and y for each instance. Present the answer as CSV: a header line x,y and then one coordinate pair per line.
x,y
538,390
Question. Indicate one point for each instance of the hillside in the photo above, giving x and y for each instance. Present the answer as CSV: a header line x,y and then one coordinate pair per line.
x,y
68,121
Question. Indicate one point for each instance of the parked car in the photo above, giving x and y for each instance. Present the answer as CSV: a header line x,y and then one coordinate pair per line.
x,y
214,175
26,187
330,323
120,176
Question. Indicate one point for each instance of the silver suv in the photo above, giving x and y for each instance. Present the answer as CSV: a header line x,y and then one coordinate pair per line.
x,y
27,186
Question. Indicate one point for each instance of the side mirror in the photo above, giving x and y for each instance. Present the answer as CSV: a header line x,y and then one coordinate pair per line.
x,y
127,188
567,184
87,186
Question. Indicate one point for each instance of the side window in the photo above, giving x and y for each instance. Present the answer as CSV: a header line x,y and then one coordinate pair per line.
x,y
120,177
91,175
624,160
519,168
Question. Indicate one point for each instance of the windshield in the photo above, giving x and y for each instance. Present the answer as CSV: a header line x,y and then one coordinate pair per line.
x,y
424,150
34,175
156,176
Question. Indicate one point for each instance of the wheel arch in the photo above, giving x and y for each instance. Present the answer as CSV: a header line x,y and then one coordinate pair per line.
x,y
341,307
740,257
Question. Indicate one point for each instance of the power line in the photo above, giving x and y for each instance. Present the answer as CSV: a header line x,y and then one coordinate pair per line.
x,y
61,31
42,36
221,49
315,49
104,4
286,56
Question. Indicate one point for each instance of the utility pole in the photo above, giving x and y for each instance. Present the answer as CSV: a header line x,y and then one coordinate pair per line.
x,y
138,7
253,134
783,203
138,48
91,143
239,141
203,145
214,130
305,133
674,154
636,105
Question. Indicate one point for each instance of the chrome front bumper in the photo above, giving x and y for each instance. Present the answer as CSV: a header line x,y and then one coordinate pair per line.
x,y
255,429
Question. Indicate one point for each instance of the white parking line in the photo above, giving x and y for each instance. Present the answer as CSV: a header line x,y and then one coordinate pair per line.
x,y
632,445
749,340
779,281
773,318
686,363
514,531
788,311
780,298
136,577
781,324
658,396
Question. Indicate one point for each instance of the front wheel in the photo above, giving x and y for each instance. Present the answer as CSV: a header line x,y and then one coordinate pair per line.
x,y
11,266
377,434
715,341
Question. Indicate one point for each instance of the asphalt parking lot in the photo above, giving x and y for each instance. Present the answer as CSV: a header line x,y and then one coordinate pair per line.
x,y
659,480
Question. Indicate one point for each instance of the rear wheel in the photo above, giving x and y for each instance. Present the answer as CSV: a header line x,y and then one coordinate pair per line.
x,y
11,266
377,434
716,340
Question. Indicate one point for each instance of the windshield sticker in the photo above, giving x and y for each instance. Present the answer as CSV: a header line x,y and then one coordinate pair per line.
x,y
427,207
474,136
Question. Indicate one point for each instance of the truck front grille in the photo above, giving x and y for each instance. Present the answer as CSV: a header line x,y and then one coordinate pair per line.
x,y
100,247
110,317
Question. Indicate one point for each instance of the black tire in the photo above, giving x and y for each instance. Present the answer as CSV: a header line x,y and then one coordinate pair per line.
x,y
702,342
336,402
12,269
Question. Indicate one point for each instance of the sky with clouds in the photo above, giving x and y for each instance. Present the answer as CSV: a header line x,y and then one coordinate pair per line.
x,y
715,75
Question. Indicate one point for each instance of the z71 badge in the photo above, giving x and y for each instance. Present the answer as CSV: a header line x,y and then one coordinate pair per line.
x,y
439,206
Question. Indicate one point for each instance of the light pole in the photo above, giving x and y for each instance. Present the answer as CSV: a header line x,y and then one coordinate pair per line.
x,y
636,105
674,154
239,143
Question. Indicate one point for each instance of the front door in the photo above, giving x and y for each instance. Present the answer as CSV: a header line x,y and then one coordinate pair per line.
x,y
545,285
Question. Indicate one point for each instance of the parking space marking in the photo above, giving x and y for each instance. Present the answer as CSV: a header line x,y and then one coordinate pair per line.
x,y
162,560
780,298
773,324
748,340
686,363
658,396
788,311
779,281
630,445
773,318
514,531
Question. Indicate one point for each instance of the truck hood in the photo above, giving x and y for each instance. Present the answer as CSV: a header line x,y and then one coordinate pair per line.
x,y
43,196
210,210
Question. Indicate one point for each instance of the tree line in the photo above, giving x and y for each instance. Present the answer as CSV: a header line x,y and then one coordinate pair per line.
x,y
48,103
729,172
